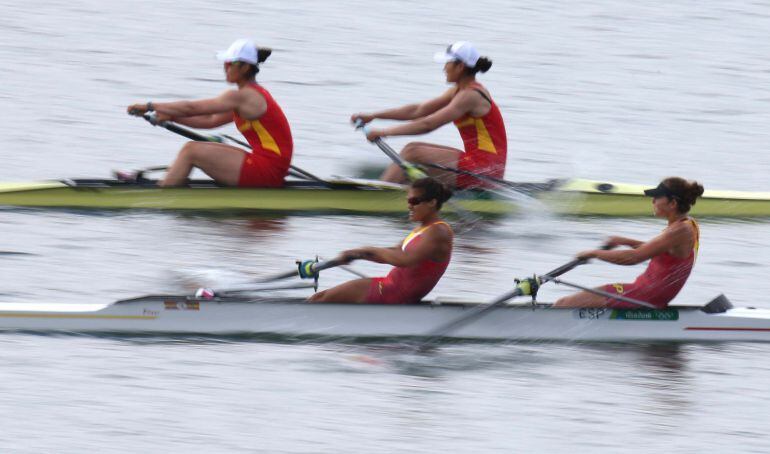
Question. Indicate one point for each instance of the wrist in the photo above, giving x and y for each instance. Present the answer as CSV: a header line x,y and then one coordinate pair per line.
x,y
150,106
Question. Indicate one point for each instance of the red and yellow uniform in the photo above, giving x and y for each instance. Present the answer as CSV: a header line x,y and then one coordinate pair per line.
x,y
485,143
271,145
408,285
661,281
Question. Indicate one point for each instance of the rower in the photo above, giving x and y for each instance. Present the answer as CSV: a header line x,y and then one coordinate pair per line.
x,y
419,260
673,252
254,112
469,105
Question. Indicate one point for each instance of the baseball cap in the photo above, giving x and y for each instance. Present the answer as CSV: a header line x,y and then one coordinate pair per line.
x,y
241,50
660,191
462,51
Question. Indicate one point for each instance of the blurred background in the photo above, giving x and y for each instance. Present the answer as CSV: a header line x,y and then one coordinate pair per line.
x,y
619,91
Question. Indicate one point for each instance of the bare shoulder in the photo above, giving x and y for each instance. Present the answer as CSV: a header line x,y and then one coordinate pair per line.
x,y
442,231
680,227
679,232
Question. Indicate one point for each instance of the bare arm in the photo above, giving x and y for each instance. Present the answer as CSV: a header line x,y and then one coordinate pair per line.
x,y
207,113
669,238
226,102
206,121
615,241
410,111
460,105
436,244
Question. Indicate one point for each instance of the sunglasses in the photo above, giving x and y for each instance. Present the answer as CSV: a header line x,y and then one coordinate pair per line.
x,y
228,64
416,200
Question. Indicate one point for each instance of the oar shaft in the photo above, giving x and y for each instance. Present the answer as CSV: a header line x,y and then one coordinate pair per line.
x,y
549,276
498,181
468,317
613,296
410,170
480,310
198,137
182,131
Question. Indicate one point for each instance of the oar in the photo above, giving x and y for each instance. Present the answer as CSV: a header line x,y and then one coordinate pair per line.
x,y
607,294
525,287
519,187
306,269
198,137
413,172
412,169
350,270
208,293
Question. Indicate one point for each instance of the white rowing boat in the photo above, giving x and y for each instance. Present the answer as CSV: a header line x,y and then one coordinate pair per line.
x,y
225,316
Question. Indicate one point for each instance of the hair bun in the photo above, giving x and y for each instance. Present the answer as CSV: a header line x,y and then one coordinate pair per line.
x,y
263,53
483,64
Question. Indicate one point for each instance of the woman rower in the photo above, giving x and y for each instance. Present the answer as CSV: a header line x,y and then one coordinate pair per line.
x,y
673,252
254,112
469,105
419,261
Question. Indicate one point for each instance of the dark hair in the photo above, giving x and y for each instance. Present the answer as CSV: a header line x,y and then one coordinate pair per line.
x,y
684,192
433,189
482,65
262,54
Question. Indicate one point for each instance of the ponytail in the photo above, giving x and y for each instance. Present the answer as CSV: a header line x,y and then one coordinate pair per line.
x,y
482,65
263,53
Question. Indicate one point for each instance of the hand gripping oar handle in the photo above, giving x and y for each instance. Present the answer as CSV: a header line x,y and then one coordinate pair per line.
x,y
182,131
525,287
412,171
198,137
306,269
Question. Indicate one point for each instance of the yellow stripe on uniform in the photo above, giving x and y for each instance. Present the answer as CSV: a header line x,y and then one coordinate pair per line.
x,y
696,244
267,141
416,232
467,122
485,140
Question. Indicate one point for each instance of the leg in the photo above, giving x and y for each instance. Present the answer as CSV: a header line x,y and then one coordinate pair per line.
x,y
350,292
582,299
421,152
219,161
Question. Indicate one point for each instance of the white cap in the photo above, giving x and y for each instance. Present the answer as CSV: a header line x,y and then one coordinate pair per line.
x,y
462,51
241,50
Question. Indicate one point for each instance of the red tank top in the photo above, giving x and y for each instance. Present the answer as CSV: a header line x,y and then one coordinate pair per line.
x,y
416,281
270,134
665,275
485,143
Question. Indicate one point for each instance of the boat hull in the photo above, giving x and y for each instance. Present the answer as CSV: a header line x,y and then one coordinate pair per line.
x,y
567,197
311,198
235,317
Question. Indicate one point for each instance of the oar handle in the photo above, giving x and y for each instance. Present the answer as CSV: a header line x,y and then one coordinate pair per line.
x,y
309,269
152,118
567,267
412,171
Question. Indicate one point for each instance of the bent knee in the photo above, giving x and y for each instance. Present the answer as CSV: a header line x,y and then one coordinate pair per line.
x,y
317,297
413,150
191,150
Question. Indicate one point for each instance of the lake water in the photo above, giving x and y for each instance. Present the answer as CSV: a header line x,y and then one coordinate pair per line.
x,y
627,91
